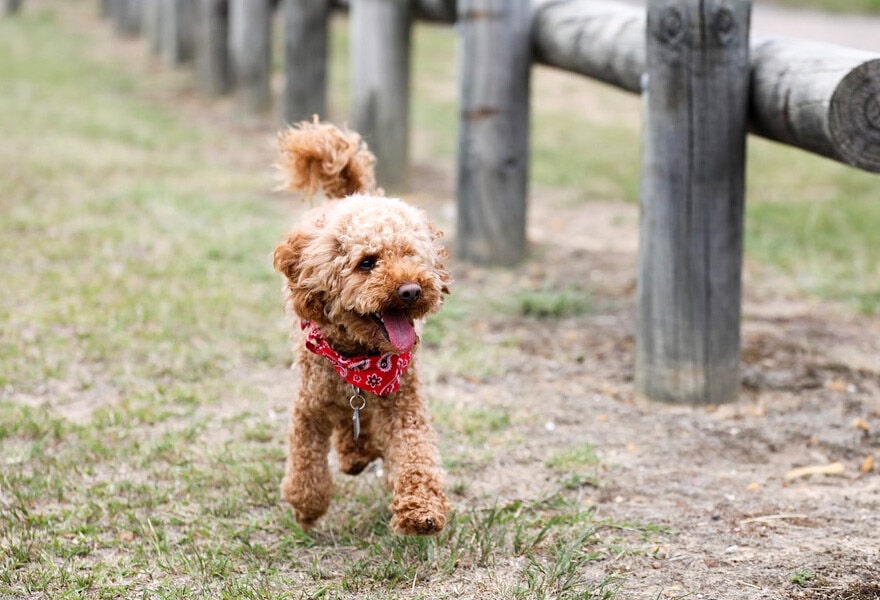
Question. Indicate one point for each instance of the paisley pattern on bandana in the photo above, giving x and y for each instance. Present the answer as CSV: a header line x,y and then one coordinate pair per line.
x,y
378,374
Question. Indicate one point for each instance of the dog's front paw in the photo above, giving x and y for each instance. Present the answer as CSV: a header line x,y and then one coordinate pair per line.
x,y
309,503
419,522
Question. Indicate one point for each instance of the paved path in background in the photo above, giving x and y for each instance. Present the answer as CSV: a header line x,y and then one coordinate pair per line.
x,y
855,31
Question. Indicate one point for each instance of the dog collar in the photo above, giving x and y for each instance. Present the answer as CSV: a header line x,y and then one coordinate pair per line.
x,y
375,373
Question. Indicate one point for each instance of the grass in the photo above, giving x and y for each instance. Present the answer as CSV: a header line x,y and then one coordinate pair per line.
x,y
815,221
142,329
802,577
578,466
843,6
141,431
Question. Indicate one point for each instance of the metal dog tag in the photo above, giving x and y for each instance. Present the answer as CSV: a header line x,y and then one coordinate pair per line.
x,y
356,426
357,403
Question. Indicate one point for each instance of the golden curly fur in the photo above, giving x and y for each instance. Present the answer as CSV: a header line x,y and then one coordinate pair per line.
x,y
346,268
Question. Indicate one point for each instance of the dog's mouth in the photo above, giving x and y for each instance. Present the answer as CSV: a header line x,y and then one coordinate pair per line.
x,y
397,327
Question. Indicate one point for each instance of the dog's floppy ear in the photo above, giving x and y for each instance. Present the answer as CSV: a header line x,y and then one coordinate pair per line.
x,y
288,261
288,255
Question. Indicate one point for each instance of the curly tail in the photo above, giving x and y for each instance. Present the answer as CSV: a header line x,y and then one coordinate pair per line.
x,y
320,155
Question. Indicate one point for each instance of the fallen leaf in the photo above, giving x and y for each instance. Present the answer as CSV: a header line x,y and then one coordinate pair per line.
x,y
867,465
837,385
861,423
754,486
835,468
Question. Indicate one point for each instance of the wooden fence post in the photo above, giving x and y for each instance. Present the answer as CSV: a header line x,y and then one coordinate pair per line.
x,y
690,254
11,6
212,46
151,20
305,59
178,30
380,50
493,155
250,43
128,17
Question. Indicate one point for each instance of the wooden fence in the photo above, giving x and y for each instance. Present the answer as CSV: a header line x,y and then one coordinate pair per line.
x,y
705,84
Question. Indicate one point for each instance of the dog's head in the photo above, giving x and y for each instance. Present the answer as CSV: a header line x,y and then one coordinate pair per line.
x,y
365,269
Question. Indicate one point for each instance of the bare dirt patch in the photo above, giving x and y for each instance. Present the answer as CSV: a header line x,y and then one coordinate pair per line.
x,y
712,479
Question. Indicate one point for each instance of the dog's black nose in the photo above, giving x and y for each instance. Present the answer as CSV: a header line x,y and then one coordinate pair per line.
x,y
409,292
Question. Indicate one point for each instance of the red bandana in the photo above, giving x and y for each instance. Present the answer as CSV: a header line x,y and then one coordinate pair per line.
x,y
378,374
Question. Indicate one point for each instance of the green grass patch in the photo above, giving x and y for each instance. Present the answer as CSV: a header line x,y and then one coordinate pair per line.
x,y
843,6
815,221
577,466
802,577
548,302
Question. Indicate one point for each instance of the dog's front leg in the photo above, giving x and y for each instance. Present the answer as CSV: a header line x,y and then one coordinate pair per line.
x,y
307,484
419,504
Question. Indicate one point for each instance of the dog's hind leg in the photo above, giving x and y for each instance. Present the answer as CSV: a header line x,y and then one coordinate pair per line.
x,y
355,454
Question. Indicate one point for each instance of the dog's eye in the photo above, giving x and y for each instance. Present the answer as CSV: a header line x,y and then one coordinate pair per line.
x,y
367,263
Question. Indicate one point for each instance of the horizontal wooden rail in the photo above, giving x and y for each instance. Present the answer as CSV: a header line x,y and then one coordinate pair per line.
x,y
442,11
599,39
818,97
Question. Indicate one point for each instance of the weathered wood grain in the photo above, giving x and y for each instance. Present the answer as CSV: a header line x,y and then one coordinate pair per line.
x,y
493,155
600,39
305,58
691,226
380,54
819,97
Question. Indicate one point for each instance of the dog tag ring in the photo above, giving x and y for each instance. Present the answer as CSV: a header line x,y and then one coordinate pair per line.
x,y
357,403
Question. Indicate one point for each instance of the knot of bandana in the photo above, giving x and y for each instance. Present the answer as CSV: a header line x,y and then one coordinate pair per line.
x,y
378,373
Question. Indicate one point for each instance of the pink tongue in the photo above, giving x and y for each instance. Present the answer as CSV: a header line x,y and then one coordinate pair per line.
x,y
400,330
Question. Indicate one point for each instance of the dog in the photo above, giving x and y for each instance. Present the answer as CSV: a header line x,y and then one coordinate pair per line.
x,y
362,271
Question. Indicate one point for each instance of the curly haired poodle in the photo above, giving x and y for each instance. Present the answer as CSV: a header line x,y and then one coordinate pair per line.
x,y
362,270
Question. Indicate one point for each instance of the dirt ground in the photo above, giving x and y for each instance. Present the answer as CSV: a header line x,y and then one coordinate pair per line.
x,y
732,525
718,479
740,521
